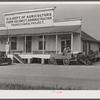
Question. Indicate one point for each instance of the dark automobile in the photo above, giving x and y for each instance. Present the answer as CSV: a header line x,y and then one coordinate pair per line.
x,y
4,59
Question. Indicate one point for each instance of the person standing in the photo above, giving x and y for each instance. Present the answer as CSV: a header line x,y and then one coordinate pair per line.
x,y
7,48
65,51
68,50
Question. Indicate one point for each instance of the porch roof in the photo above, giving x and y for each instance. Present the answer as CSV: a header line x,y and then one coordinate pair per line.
x,y
41,30
87,37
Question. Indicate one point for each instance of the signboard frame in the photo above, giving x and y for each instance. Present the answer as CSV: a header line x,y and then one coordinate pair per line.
x,y
30,18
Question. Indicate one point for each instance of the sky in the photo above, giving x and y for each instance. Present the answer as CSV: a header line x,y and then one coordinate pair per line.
x,y
90,13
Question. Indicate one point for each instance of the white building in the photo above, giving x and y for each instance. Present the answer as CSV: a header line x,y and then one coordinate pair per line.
x,y
36,34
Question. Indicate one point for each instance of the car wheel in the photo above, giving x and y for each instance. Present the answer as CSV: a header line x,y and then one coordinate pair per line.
x,y
88,62
52,60
0,63
66,61
9,61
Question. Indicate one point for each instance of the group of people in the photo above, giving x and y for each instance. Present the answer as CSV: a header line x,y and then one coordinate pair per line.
x,y
66,50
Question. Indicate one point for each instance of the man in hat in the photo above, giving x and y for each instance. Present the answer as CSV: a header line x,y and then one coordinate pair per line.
x,y
66,51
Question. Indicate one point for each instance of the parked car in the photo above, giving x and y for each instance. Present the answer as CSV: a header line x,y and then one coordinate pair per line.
x,y
4,59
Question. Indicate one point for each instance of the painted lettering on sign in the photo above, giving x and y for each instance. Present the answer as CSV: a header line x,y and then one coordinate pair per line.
x,y
29,19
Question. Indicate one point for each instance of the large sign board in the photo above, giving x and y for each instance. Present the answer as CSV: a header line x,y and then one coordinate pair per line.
x,y
27,19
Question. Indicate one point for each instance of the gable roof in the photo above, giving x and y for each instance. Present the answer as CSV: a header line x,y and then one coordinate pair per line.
x,y
85,36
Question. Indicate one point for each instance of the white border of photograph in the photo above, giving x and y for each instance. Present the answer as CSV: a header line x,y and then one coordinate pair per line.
x,y
41,94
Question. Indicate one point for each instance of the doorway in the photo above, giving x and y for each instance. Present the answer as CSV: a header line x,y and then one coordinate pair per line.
x,y
65,43
28,44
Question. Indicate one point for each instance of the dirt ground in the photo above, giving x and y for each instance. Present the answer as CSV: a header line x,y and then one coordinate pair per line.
x,y
74,76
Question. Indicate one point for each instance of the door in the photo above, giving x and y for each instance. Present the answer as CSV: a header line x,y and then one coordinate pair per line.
x,y
28,44
65,43
68,43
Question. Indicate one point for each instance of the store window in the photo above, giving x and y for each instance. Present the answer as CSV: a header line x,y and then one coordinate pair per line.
x,y
89,46
85,46
63,45
13,43
28,44
41,43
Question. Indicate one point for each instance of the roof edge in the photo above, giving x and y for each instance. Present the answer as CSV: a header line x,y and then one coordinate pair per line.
x,y
24,11
88,37
68,19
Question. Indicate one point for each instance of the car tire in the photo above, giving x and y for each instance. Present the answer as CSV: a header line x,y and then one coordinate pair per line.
x,y
9,61
52,60
66,61
0,63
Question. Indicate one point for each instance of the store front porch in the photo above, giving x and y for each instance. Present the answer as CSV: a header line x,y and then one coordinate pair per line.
x,y
38,47
30,56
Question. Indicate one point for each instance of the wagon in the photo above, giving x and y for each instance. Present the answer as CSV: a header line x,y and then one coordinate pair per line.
x,y
59,58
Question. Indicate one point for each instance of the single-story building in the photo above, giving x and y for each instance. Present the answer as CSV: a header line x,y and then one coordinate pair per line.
x,y
40,42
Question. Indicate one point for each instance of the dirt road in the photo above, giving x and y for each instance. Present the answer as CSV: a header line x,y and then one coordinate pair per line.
x,y
84,77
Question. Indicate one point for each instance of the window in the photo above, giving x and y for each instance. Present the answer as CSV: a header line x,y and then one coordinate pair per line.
x,y
13,43
41,43
65,41
89,46
62,45
28,44
85,46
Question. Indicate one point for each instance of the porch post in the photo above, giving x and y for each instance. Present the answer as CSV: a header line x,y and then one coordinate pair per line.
x,y
8,39
25,44
7,47
56,43
43,45
71,42
9,44
42,60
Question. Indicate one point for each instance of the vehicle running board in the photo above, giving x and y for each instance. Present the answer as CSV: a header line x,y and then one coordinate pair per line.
x,y
19,59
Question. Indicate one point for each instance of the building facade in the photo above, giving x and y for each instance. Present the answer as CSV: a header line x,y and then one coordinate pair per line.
x,y
42,40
